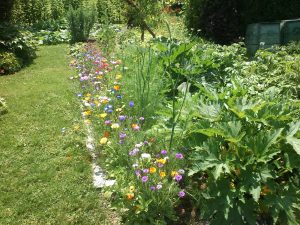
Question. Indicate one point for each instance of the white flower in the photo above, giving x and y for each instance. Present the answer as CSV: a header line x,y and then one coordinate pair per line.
x,y
139,145
181,171
145,156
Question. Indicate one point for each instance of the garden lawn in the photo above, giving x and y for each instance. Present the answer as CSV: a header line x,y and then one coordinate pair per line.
x,y
45,174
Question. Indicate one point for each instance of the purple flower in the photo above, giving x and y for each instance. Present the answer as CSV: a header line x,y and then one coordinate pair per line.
x,y
107,122
160,165
121,142
79,94
181,194
119,96
138,173
152,188
159,186
122,135
122,118
134,151
178,177
145,170
163,152
131,103
179,155
144,179
110,106
110,111
142,119
146,142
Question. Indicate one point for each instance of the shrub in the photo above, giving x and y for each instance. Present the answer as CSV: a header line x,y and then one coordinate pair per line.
x,y
17,41
30,12
245,158
9,63
113,11
80,21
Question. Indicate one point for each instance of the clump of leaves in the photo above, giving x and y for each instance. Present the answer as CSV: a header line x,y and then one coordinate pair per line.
x,y
3,107
246,157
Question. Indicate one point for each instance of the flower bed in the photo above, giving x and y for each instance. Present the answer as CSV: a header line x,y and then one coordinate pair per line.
x,y
149,176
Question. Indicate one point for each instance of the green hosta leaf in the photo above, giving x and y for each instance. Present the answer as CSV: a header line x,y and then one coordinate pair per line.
x,y
255,192
295,142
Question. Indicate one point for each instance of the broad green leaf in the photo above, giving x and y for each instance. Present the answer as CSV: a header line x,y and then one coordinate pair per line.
x,y
295,142
255,192
294,127
220,168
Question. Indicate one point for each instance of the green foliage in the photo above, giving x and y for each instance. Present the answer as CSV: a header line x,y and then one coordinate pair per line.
x,y
247,157
111,10
47,37
9,63
145,10
17,47
80,21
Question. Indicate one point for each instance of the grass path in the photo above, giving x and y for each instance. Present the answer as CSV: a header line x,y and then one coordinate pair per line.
x,y
45,175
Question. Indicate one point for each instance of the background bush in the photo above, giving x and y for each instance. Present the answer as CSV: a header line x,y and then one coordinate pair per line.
x,y
111,10
17,47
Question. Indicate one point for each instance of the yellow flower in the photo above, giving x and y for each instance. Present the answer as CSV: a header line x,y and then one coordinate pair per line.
x,y
118,76
87,98
152,169
87,113
131,188
103,115
119,109
99,77
115,126
88,95
87,121
103,141
76,127
162,174
162,161
174,173
104,101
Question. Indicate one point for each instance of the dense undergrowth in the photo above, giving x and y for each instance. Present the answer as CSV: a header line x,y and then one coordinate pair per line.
x,y
195,131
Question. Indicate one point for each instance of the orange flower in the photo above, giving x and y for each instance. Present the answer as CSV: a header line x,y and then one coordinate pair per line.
x,y
130,196
162,174
106,134
152,169
117,87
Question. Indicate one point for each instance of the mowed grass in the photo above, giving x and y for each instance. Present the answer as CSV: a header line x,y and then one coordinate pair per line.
x,y
45,174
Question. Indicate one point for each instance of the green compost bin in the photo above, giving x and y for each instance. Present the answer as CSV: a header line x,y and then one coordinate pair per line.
x,y
291,31
263,35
